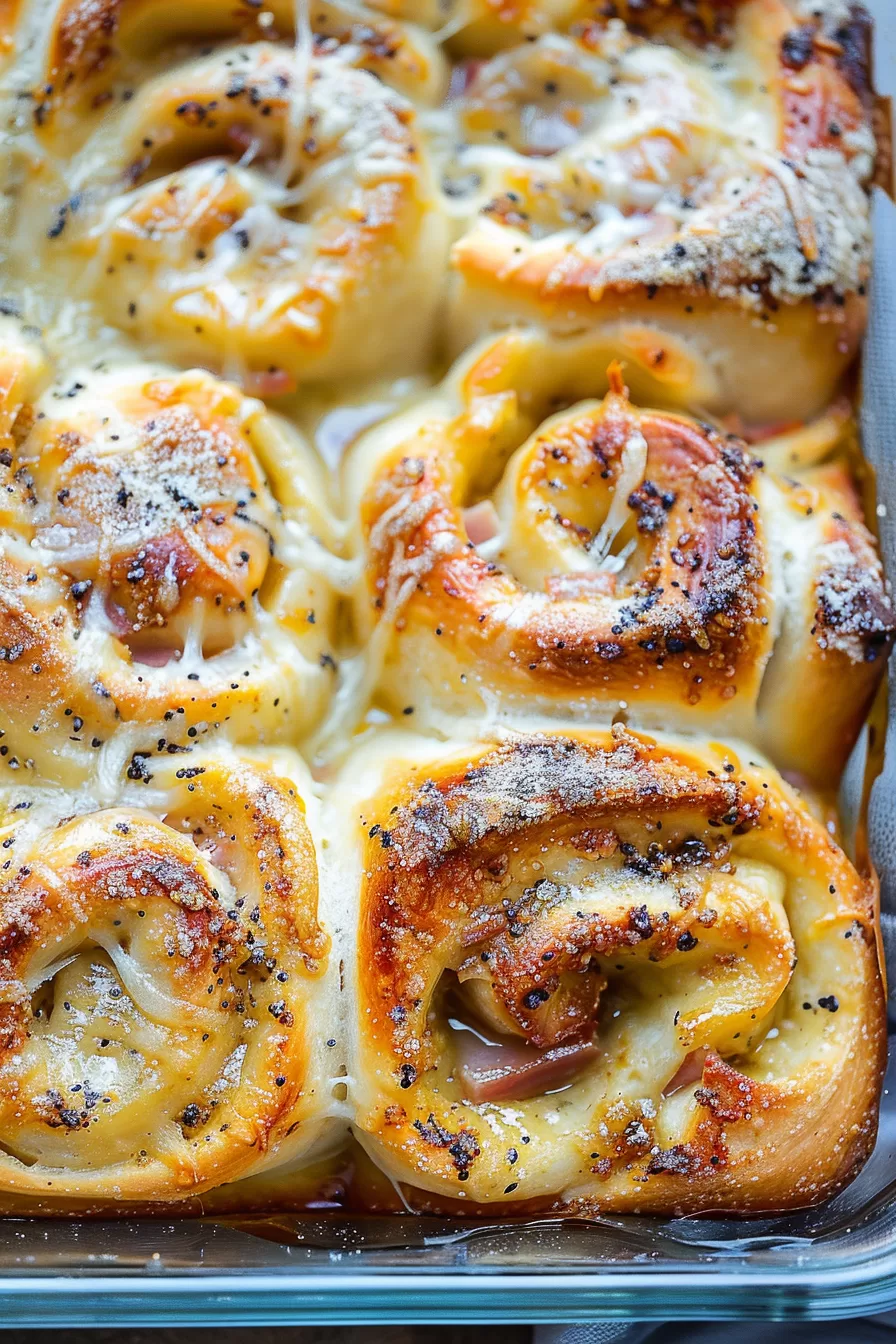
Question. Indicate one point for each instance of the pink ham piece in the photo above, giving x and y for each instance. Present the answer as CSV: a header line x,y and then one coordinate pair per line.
x,y
241,139
759,433
690,1071
268,383
117,618
463,76
151,656
482,522
223,854
154,657
512,1070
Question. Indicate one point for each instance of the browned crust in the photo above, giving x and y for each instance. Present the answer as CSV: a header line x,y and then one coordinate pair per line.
x,y
748,599
445,833
766,250
132,864
431,848
146,574
92,44
853,615
700,20
692,629
838,634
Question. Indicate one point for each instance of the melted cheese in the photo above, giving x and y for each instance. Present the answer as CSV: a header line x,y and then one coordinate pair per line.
x,y
299,246
297,118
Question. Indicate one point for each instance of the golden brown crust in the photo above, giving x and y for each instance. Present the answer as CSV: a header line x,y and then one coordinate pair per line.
x,y
93,48
648,856
151,573
772,222
261,205
165,942
575,968
693,514
640,563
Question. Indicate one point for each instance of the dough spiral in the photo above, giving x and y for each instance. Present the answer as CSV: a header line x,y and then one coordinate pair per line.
x,y
607,972
611,560
165,570
708,188
162,968
573,945
259,208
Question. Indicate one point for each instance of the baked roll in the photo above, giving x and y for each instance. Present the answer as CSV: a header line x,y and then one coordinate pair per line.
x,y
88,57
260,208
480,28
163,971
694,178
166,570
611,561
604,972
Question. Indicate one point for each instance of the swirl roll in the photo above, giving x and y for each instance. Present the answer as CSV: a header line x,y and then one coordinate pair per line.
x,y
708,185
602,971
480,28
166,569
162,967
611,560
84,59
263,206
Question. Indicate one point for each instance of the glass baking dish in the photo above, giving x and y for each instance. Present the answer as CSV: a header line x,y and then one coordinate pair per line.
x,y
839,1260
835,1261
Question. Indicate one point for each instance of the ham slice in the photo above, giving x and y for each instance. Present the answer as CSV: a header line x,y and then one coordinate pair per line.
x,y
154,657
463,76
117,617
151,655
482,522
509,1070
268,383
759,434
690,1071
223,853
241,138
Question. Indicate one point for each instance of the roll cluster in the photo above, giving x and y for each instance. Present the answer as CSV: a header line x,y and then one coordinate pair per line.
x,y
437,605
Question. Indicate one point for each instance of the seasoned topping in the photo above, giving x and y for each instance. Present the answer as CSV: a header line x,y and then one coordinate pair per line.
x,y
853,615
587,953
166,562
533,781
141,952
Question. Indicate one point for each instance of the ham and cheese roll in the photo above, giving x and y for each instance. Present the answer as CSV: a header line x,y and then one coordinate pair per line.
x,y
166,570
163,974
611,561
86,58
480,28
261,208
693,179
599,971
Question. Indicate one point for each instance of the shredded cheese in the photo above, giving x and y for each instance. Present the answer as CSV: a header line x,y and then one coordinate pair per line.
x,y
297,118
632,465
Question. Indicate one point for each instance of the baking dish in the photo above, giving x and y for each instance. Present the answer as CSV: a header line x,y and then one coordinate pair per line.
x,y
839,1260
835,1261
